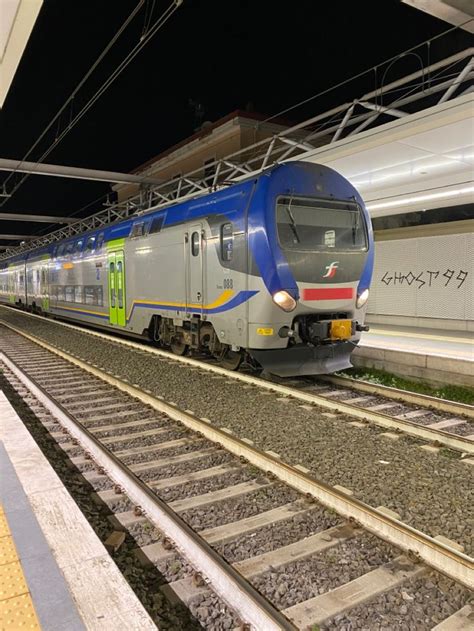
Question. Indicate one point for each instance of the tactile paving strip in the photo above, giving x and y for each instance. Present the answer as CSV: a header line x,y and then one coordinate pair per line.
x,y
16,607
18,614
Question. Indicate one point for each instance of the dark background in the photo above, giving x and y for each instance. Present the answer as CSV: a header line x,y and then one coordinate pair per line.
x,y
210,58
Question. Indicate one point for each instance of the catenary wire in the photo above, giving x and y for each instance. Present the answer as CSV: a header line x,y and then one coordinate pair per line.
x,y
78,87
148,36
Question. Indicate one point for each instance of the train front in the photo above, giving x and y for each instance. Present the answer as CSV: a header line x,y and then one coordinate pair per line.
x,y
315,258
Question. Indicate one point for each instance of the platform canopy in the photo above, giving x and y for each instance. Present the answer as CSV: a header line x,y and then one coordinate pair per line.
x,y
17,19
417,162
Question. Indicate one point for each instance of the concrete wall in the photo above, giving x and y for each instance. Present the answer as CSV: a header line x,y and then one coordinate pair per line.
x,y
424,281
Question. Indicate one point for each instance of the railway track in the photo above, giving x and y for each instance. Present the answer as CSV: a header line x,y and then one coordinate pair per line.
x,y
263,526
440,422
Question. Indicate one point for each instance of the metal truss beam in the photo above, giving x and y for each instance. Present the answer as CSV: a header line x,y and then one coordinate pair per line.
x,y
57,170
36,218
347,119
17,237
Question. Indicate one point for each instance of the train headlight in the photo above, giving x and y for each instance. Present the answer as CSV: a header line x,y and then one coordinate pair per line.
x,y
362,299
284,300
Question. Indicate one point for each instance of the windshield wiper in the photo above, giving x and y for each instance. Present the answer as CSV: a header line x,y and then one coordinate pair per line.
x,y
355,227
293,223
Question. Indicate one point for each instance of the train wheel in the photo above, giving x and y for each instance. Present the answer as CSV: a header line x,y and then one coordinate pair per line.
x,y
178,348
231,360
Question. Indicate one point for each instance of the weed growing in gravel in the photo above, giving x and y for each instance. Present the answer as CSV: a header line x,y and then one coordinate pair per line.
x,y
175,567
461,394
449,453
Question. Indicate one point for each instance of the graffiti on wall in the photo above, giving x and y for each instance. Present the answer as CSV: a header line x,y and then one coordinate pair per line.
x,y
430,278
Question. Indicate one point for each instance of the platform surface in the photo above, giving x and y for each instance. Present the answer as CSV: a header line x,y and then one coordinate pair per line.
x,y
59,571
432,355
453,344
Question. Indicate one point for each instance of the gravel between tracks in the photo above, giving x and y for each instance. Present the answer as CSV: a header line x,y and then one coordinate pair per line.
x,y
320,573
234,509
419,604
430,491
280,534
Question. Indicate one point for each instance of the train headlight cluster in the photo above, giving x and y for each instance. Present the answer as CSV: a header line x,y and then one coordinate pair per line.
x,y
284,300
362,299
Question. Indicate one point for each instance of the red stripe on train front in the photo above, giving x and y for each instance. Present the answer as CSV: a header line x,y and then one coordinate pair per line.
x,y
328,293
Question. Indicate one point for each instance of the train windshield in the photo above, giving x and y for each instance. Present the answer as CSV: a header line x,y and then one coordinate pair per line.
x,y
322,225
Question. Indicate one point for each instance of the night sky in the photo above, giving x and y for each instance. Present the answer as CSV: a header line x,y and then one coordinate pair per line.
x,y
210,58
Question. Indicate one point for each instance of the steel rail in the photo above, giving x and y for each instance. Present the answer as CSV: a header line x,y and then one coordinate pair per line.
x,y
404,396
434,553
438,436
232,587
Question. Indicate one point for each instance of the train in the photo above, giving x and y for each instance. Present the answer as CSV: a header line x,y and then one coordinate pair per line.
x,y
274,270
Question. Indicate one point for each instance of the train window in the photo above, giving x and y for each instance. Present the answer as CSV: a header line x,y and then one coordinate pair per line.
x,y
156,224
195,239
320,225
112,283
93,295
60,251
227,242
120,284
137,230
69,249
100,241
61,294
78,293
70,292
90,243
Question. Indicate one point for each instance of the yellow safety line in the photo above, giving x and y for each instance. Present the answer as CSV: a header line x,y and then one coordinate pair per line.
x,y
16,605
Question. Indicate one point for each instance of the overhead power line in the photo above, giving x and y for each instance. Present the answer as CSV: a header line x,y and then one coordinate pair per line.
x,y
364,72
115,73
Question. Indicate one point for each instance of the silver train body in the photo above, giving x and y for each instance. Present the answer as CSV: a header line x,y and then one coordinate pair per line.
x,y
276,268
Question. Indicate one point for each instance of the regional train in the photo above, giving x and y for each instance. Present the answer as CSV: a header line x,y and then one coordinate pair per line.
x,y
275,269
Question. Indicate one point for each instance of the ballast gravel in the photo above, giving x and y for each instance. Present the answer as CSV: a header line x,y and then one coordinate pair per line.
x,y
322,572
235,509
161,452
431,492
419,604
277,535
182,468
191,489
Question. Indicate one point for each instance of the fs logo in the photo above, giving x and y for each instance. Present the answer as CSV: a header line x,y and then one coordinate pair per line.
x,y
331,269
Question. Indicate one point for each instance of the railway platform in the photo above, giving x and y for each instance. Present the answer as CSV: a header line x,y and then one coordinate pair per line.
x,y
55,573
433,355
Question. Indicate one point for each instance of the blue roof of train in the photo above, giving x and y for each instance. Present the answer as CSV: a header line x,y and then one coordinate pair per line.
x,y
298,175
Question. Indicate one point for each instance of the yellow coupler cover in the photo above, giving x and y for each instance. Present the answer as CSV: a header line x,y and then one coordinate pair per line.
x,y
16,607
341,329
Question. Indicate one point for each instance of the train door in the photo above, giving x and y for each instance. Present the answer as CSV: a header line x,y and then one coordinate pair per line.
x,y
116,281
194,269
44,287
